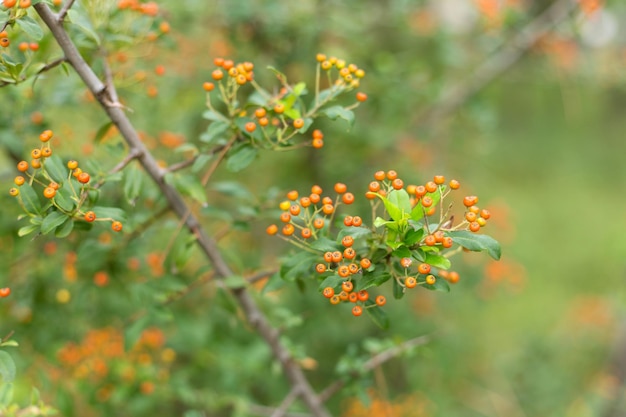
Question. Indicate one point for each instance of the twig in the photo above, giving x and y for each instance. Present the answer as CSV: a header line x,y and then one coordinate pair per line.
x,y
260,276
375,361
63,12
255,316
287,401
500,61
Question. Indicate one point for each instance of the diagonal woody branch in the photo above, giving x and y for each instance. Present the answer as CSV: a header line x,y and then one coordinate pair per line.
x,y
105,97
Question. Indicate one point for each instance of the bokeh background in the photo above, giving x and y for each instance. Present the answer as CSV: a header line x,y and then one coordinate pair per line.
x,y
541,142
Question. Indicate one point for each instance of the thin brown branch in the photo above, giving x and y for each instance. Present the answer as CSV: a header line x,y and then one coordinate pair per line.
x,y
500,61
376,361
63,12
51,65
130,157
260,276
255,316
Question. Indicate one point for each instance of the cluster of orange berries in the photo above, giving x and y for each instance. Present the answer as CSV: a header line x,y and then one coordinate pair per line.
x,y
51,188
348,294
241,73
22,4
150,8
349,74
309,213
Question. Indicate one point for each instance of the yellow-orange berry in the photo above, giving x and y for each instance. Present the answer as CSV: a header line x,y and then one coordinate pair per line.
x,y
22,166
208,86
454,184
49,192
298,123
19,180
217,75
439,179
250,127
271,229
116,226
14,192
90,216
72,164
288,229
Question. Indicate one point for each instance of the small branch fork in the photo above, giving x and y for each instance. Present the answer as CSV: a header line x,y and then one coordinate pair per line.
x,y
106,96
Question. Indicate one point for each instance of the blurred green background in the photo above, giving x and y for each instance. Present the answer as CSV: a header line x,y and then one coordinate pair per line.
x,y
542,145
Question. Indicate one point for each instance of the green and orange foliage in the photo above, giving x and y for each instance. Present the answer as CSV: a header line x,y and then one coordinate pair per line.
x,y
68,192
248,117
413,405
101,365
411,234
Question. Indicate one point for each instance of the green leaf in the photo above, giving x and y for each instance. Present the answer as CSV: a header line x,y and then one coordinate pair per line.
x,y
324,244
336,112
355,232
82,22
216,130
379,221
477,243
300,265
52,220
7,367
30,27
377,314
438,261
240,157
402,252
214,116
233,189
110,212
65,229
26,230
235,281
6,394
133,178
30,199
398,290
133,332
102,131
373,279
413,236
55,167
333,281
188,185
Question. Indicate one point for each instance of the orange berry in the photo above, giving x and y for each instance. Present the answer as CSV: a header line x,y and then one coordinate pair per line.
x,y
381,300
379,175
49,192
8,4
420,191
328,257
292,195
317,134
374,186
474,226
347,286
90,216
250,127
454,184
36,153
228,64
343,271
328,292
208,86
306,233
264,121
453,277
318,223
392,175
350,253
438,236
447,242
474,209
218,62
431,187
353,297
347,198
320,268
439,179
260,112
217,75
35,163
363,295
317,143
116,226
53,185
46,135
357,311
470,217
427,201
19,180
298,123
72,164
288,229
285,217
406,262
6,291
430,240
357,221
485,214
410,282
24,4
423,268
336,256
340,188
279,108
347,241
328,209
470,200
271,229
294,209
46,152
335,299
365,263
397,184
327,200
354,268
305,202
361,96
83,178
